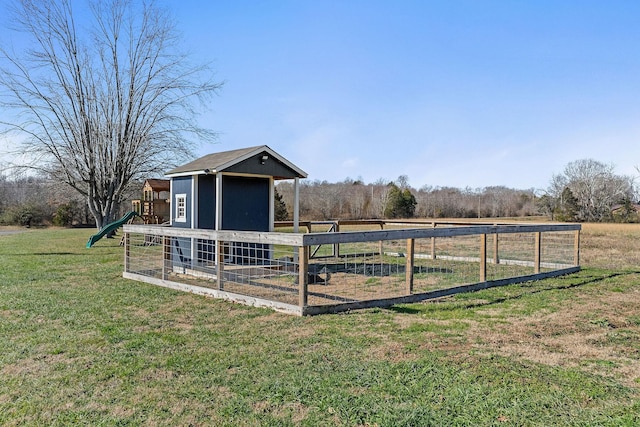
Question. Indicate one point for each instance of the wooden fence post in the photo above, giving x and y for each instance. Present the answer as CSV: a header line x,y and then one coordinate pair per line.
x,y
496,257
483,258
411,244
166,256
538,252
303,276
576,248
220,263
127,244
336,246
433,243
380,244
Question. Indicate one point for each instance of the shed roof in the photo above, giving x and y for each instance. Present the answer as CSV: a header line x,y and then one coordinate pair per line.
x,y
222,161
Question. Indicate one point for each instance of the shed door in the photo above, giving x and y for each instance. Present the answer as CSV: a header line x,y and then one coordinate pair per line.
x,y
245,206
245,203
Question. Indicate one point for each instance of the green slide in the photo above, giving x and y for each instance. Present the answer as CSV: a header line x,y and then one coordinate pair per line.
x,y
110,227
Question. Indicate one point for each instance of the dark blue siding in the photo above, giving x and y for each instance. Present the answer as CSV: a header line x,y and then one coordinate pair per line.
x,y
206,214
207,202
257,166
181,185
181,248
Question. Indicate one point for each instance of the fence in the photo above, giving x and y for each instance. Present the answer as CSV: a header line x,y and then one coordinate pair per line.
x,y
320,272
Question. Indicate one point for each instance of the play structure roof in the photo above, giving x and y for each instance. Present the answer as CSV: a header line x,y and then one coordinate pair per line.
x,y
235,160
159,184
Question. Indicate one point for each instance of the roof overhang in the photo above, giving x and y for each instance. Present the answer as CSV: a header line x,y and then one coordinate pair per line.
x,y
228,162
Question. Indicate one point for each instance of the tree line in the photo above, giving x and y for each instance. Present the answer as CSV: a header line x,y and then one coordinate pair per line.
x,y
353,199
586,190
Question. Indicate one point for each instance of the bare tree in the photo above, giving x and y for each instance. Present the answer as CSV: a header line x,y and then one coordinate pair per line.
x,y
104,104
595,187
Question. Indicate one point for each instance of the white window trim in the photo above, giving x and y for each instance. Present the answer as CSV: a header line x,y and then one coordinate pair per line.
x,y
183,217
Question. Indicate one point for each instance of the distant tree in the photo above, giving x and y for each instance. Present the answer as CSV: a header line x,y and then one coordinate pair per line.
x,y
408,203
626,212
394,202
568,208
101,103
379,198
593,187
400,204
279,207
402,182
547,205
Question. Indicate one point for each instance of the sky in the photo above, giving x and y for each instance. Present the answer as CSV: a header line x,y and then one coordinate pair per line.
x,y
449,93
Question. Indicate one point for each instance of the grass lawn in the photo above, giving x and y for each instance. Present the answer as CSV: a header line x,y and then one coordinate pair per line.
x,y
80,345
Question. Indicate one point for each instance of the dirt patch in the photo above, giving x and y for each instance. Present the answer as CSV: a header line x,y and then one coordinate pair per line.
x,y
7,231
37,366
598,334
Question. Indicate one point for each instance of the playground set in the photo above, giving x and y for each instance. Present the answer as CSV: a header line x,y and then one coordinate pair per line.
x,y
153,208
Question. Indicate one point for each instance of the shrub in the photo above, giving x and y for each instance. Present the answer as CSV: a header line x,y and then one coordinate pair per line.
x,y
66,214
24,215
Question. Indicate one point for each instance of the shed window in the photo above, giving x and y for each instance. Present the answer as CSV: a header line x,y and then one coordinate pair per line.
x,y
181,208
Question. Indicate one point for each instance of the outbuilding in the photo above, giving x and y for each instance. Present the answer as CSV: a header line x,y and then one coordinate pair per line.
x,y
230,190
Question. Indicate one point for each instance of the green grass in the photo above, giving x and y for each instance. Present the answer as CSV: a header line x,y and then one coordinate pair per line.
x,y
83,346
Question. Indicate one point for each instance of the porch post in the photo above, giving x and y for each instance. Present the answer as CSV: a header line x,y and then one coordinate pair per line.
x,y
296,204
296,229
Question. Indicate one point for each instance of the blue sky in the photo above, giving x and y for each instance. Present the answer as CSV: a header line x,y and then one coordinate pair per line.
x,y
449,93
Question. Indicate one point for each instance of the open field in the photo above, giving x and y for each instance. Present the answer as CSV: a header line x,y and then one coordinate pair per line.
x,y
83,346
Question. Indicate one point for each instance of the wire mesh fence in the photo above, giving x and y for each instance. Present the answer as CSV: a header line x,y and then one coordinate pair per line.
x,y
308,273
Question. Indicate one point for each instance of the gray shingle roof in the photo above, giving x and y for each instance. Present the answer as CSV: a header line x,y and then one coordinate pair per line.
x,y
218,162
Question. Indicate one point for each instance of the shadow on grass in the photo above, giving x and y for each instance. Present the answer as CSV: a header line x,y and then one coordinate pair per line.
x,y
583,282
31,254
56,253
